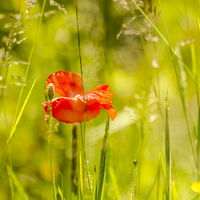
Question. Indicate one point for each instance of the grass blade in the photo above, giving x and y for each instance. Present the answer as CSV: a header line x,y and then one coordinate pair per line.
x,y
14,127
167,153
4,160
20,114
52,169
29,62
9,167
81,180
102,162
94,185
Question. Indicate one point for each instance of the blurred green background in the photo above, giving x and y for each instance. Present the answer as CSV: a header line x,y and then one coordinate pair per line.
x,y
112,52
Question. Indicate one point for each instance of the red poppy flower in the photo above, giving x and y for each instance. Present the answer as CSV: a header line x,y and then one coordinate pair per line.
x,y
70,107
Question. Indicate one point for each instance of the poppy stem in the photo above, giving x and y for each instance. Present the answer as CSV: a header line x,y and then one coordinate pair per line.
x,y
79,49
50,131
74,172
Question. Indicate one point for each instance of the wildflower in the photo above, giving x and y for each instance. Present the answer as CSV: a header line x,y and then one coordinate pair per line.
x,y
196,187
69,108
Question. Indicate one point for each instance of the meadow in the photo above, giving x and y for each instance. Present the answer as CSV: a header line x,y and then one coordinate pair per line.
x,y
147,51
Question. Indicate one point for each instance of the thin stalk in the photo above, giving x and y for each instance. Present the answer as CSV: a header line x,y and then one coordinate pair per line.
x,y
50,131
9,164
80,181
10,167
80,57
134,182
167,153
82,160
74,172
158,175
81,69
52,169
141,139
94,192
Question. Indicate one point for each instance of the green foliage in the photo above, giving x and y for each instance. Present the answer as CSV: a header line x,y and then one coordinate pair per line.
x,y
142,49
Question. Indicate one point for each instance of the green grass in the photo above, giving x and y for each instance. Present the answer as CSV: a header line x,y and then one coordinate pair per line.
x,y
142,50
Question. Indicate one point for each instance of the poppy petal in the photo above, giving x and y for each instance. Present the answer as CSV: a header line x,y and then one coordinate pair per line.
x,y
103,95
66,84
71,110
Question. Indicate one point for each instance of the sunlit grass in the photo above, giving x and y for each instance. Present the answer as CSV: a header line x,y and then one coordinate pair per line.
x,y
151,150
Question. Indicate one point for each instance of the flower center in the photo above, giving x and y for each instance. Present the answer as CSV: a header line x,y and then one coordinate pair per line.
x,y
77,96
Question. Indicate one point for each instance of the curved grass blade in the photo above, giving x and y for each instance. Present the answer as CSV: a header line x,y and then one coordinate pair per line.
x,y
29,62
20,114
14,127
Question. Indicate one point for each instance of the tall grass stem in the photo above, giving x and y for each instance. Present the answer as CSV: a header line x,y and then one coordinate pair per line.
x,y
81,69
167,152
